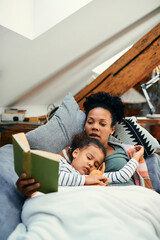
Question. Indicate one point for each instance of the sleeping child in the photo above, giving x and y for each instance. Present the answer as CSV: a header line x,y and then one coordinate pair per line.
x,y
87,155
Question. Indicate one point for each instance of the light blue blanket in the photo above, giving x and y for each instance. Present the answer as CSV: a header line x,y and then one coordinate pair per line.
x,y
11,201
91,213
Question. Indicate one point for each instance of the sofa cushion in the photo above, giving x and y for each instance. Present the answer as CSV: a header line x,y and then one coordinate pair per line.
x,y
57,133
130,132
11,200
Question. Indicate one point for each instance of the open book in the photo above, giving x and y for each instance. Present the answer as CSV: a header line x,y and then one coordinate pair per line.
x,y
40,165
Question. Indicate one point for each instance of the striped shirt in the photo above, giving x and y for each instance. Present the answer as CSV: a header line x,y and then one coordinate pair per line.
x,y
124,174
69,176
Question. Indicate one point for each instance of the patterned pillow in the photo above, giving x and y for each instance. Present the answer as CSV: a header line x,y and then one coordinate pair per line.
x,y
130,132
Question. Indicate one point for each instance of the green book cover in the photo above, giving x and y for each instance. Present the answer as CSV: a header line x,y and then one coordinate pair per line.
x,y
40,165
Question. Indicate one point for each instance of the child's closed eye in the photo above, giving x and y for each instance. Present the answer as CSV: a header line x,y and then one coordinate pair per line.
x,y
89,156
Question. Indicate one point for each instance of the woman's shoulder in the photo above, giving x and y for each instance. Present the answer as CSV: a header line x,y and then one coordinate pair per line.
x,y
116,142
65,153
121,145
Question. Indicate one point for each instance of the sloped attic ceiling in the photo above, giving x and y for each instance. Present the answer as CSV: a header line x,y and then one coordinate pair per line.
x,y
31,18
42,71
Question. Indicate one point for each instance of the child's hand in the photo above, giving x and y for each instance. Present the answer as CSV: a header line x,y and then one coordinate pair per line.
x,y
96,180
138,154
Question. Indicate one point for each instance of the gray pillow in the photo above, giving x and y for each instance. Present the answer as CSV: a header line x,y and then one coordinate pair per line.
x,y
57,133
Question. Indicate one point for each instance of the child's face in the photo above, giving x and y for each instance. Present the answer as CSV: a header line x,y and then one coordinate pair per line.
x,y
87,159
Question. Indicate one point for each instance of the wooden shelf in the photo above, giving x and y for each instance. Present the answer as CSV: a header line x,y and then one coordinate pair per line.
x,y
150,121
9,128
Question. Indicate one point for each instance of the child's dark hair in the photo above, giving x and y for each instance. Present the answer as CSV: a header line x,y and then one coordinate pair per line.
x,y
81,140
104,100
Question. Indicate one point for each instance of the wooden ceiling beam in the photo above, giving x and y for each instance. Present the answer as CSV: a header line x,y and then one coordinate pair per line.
x,y
129,69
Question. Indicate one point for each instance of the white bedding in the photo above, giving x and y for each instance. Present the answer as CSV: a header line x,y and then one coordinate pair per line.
x,y
91,213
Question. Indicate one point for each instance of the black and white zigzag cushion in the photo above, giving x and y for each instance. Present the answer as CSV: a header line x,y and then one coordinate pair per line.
x,y
130,132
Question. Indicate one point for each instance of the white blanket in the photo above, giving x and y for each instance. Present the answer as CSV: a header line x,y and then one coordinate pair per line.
x,y
91,213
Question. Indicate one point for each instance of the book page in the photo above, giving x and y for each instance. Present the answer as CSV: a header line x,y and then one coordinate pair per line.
x,y
22,141
52,156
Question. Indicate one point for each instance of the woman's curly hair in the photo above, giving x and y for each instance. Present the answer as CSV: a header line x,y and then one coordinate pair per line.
x,y
104,100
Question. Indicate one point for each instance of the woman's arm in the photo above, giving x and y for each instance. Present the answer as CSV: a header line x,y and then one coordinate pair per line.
x,y
66,154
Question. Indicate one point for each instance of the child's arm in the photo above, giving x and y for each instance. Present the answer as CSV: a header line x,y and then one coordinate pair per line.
x,y
75,179
68,176
128,170
71,179
96,180
124,174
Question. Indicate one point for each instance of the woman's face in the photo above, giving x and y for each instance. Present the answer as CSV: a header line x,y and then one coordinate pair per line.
x,y
98,125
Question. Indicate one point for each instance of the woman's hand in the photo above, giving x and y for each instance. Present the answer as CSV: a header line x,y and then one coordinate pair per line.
x,y
96,180
27,186
138,153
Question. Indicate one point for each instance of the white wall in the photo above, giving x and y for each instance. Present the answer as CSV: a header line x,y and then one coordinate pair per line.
x,y
31,18
104,26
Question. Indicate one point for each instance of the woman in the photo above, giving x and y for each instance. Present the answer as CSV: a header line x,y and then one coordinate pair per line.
x,y
103,111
